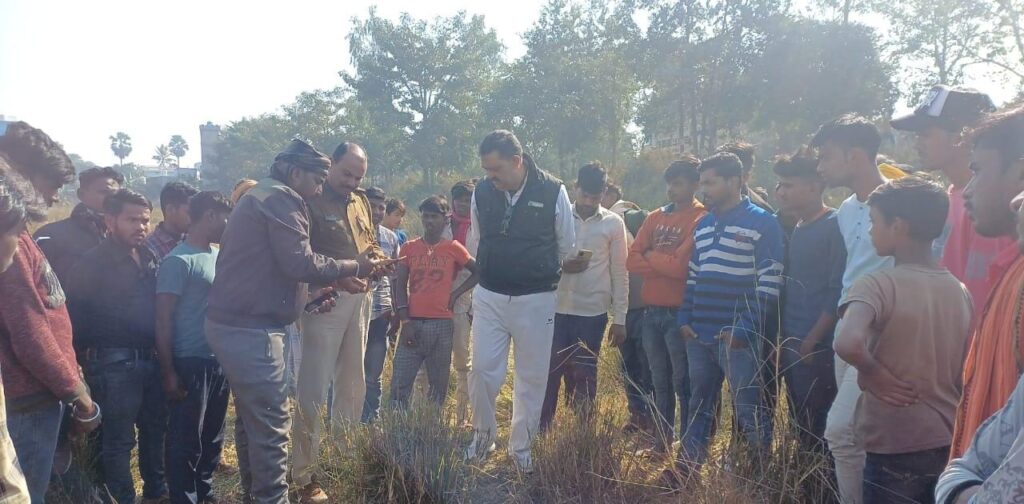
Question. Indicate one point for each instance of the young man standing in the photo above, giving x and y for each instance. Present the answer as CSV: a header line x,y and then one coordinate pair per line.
x,y
192,379
938,124
112,297
847,149
424,299
341,227
383,315
660,255
593,282
263,262
992,366
733,287
66,240
460,224
174,205
746,153
522,230
815,261
917,308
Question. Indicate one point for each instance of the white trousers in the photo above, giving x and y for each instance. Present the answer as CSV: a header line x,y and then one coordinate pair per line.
x,y
527,323
332,350
843,439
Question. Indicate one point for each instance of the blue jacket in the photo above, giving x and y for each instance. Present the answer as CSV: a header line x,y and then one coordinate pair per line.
x,y
735,273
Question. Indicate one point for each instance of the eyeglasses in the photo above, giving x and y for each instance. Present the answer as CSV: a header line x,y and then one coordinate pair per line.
x,y
507,219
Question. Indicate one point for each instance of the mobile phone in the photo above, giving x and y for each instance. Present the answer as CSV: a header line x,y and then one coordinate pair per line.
x,y
314,305
585,254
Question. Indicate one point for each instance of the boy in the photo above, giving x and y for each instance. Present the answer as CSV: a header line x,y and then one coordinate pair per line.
x,y
192,379
424,300
393,214
905,330
660,254
382,313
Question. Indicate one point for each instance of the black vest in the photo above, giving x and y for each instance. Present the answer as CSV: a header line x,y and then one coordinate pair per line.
x,y
524,259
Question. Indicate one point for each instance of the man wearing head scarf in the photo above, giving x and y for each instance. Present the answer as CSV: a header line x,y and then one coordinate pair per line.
x,y
264,261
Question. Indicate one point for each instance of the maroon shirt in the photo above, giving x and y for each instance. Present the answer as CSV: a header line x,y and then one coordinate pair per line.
x,y
36,357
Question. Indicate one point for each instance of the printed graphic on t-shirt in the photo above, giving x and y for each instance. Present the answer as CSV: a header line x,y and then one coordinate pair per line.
x,y
427,272
667,238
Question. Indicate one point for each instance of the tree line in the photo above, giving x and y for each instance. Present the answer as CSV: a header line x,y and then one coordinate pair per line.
x,y
614,80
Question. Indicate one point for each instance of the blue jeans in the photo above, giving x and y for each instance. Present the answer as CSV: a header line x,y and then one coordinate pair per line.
x,y
903,477
574,351
195,430
127,387
373,365
710,363
34,434
666,355
635,370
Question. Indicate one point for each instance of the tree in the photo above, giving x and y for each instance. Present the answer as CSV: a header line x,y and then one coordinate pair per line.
x,y
178,147
121,144
162,156
428,81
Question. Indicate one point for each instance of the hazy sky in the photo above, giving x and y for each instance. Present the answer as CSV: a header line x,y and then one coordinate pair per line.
x,y
83,70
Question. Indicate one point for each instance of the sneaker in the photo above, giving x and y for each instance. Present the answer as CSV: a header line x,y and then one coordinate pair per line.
x,y
312,494
473,454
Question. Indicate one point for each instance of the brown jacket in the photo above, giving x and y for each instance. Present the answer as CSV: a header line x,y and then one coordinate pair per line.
x,y
265,256
341,228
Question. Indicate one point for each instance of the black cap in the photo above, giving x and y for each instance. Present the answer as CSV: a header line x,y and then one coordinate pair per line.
x,y
948,108
301,154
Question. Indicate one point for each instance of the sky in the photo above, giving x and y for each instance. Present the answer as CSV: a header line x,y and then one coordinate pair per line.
x,y
84,70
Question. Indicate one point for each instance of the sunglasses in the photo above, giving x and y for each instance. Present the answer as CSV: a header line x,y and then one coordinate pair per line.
x,y
507,219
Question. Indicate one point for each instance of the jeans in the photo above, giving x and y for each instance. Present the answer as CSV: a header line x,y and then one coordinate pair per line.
x,y
373,365
904,477
195,433
666,355
811,388
427,343
126,384
34,434
635,370
574,351
710,363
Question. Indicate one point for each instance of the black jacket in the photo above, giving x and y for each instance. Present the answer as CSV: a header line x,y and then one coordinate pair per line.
x,y
63,242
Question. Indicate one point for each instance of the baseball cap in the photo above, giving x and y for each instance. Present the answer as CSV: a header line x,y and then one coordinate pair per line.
x,y
946,107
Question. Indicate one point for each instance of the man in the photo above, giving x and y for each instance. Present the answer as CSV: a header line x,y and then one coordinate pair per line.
x,y
815,260
847,149
66,240
382,315
14,197
425,297
660,255
169,233
460,222
732,288
992,366
522,229
938,124
635,370
594,282
341,227
746,151
192,379
258,291
112,296
40,372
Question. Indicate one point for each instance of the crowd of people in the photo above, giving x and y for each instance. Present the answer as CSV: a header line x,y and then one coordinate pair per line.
x,y
893,321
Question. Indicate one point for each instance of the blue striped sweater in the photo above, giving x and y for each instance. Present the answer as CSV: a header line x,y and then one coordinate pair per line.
x,y
735,273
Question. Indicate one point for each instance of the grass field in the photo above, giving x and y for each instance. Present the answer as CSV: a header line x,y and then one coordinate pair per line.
x,y
416,457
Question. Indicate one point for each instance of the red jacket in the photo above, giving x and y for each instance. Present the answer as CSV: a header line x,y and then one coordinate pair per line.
x,y
37,360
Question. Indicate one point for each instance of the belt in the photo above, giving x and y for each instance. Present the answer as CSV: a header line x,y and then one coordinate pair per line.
x,y
109,355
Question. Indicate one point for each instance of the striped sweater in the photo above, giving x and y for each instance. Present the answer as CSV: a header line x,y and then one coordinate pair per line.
x,y
735,273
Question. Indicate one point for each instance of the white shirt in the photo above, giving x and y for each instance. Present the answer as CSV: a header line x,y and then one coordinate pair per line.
x,y
854,219
604,284
564,231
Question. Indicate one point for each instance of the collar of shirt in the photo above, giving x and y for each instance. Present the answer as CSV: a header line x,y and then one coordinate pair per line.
x,y
513,198
115,252
599,215
731,213
333,195
90,220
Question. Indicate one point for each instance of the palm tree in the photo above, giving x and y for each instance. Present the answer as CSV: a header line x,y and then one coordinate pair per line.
x,y
121,144
178,147
162,156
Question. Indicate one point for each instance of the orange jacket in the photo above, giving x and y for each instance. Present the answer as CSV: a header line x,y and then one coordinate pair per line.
x,y
661,254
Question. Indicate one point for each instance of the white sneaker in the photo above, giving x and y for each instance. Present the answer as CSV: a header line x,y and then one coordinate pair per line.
x,y
473,454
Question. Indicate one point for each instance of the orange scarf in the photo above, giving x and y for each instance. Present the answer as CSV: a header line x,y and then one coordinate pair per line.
x,y
991,369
